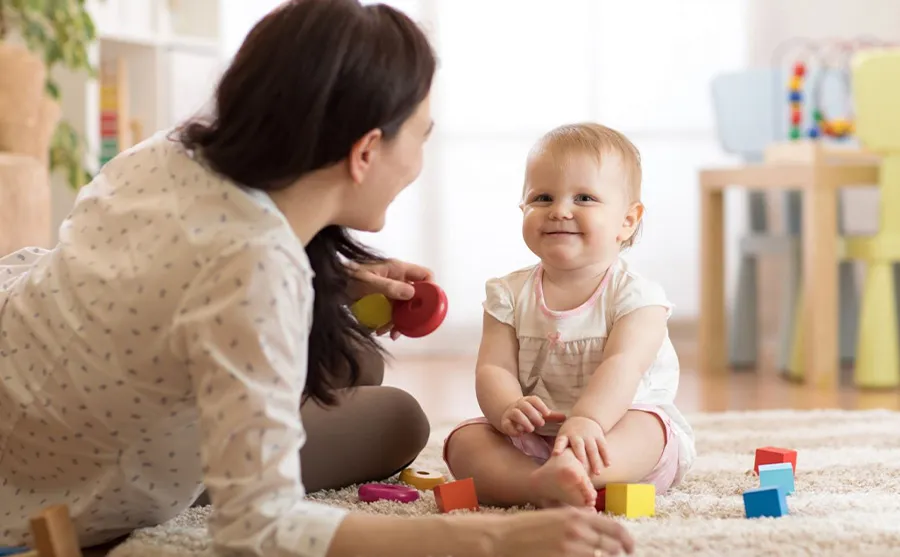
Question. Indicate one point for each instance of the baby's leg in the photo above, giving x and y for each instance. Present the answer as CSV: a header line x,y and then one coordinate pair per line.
x,y
562,480
499,469
509,472
636,445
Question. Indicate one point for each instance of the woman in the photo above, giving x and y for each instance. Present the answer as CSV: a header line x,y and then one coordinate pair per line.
x,y
197,296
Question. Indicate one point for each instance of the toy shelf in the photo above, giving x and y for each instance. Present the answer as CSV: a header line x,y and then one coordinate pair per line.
x,y
156,60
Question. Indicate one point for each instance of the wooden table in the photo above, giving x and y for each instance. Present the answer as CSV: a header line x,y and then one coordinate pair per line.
x,y
819,173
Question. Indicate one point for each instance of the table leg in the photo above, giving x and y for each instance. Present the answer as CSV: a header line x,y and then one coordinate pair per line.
x,y
820,282
712,338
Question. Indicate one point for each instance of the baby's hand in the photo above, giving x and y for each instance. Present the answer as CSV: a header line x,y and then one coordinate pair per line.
x,y
527,414
587,440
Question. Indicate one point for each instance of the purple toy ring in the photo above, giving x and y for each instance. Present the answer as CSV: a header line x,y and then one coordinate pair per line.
x,y
370,493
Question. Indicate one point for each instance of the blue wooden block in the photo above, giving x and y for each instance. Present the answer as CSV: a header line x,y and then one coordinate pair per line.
x,y
4,551
778,475
765,501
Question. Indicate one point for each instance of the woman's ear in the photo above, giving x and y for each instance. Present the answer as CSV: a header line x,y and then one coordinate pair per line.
x,y
363,154
630,223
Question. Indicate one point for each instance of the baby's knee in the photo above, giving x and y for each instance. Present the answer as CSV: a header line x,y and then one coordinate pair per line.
x,y
465,442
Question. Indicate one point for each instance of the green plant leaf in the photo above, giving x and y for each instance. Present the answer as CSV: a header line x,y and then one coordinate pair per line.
x,y
52,89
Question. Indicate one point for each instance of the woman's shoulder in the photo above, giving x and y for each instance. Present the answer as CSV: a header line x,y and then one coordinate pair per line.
x,y
178,218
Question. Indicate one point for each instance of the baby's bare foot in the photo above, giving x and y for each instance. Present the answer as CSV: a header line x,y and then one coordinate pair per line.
x,y
562,480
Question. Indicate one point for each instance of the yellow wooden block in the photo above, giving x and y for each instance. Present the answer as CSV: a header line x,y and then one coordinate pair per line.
x,y
373,311
631,500
422,479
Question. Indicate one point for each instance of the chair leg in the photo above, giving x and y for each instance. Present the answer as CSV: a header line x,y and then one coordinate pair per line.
x,y
849,312
790,312
743,345
897,291
790,334
878,352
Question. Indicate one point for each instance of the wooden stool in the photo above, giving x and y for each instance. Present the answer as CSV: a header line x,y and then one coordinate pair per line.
x,y
54,534
876,88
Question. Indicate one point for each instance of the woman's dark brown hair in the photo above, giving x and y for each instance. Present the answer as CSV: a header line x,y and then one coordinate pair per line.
x,y
311,78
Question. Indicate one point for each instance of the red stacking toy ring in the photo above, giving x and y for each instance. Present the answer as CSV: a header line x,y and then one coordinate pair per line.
x,y
423,313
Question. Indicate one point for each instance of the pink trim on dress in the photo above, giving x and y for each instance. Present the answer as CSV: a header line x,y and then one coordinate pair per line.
x,y
554,314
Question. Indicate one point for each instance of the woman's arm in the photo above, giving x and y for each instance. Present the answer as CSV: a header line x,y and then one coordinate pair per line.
x,y
243,330
398,536
496,372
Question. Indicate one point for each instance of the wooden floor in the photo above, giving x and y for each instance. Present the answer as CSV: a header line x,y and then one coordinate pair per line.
x,y
445,387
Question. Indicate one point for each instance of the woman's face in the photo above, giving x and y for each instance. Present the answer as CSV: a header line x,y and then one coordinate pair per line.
x,y
381,169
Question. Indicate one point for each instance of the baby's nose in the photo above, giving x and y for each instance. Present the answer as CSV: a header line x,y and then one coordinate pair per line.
x,y
561,212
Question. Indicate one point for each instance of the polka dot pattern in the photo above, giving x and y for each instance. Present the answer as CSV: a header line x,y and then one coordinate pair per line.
x,y
160,345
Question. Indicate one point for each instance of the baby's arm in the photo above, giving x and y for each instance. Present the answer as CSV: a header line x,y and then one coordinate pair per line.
x,y
496,373
630,350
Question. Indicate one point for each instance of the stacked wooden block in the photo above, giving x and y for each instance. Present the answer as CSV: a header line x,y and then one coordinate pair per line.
x,y
776,468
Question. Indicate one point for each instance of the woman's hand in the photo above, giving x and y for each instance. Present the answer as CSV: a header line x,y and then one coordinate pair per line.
x,y
391,278
567,532
587,440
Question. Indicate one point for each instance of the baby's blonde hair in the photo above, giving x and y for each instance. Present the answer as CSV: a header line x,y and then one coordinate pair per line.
x,y
596,141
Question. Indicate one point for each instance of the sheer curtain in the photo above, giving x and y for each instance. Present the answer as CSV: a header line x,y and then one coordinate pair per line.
x,y
510,71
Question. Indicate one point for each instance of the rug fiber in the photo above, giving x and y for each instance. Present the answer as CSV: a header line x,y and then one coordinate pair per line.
x,y
847,499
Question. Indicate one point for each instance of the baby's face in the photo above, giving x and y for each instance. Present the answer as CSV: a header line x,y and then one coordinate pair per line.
x,y
575,209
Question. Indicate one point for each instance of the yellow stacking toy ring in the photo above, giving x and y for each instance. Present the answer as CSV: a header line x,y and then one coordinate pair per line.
x,y
373,311
423,480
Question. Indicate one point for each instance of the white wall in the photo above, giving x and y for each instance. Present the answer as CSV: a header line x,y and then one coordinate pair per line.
x,y
772,22
238,17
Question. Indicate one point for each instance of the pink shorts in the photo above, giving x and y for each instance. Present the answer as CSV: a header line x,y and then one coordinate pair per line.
x,y
539,447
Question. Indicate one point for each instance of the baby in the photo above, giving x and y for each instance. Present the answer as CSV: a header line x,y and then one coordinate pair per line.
x,y
576,374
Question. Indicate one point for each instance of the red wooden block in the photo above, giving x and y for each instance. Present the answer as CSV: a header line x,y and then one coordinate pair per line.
x,y
600,505
456,495
774,455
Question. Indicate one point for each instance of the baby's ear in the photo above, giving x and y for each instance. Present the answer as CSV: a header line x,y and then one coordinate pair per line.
x,y
632,220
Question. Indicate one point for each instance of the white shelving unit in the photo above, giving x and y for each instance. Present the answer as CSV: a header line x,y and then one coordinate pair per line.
x,y
170,52
168,55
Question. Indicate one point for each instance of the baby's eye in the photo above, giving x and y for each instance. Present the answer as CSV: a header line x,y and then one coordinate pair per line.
x,y
541,198
585,198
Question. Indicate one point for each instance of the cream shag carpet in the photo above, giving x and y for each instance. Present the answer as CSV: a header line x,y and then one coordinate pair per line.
x,y
847,499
